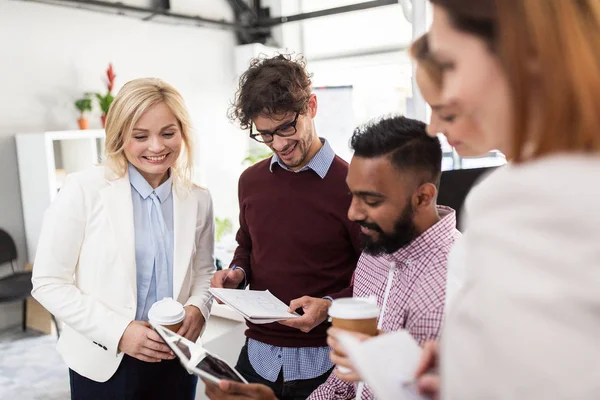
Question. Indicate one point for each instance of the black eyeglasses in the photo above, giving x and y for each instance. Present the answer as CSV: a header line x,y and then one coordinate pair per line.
x,y
285,130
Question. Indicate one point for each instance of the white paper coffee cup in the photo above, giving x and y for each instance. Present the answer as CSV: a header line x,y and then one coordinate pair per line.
x,y
356,315
168,313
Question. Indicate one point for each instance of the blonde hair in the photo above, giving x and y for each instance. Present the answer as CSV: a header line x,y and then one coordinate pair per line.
x,y
132,101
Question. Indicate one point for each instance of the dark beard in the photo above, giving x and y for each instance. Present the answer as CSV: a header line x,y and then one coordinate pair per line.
x,y
304,147
405,232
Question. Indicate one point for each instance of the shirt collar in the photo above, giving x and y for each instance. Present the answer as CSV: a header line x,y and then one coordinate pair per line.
x,y
320,163
438,235
141,185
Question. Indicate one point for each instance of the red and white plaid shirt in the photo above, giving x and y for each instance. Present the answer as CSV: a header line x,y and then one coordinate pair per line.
x,y
414,281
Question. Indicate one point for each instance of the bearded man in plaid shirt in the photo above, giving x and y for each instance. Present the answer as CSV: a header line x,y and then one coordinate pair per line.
x,y
394,178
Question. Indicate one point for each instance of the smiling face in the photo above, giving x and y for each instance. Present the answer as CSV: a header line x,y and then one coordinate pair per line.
x,y
155,144
381,204
474,81
297,150
447,119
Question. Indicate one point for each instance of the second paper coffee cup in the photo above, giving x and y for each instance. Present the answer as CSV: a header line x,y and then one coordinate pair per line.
x,y
355,314
168,313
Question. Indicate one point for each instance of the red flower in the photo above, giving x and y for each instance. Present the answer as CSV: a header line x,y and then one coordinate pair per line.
x,y
110,74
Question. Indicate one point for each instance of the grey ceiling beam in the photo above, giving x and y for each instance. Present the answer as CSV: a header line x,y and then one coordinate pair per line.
x,y
253,23
249,17
273,21
162,4
240,7
152,12
260,23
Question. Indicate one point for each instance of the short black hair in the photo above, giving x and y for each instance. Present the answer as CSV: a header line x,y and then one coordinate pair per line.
x,y
406,142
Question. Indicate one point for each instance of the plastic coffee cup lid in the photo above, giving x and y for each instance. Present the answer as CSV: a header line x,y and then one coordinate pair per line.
x,y
166,312
353,308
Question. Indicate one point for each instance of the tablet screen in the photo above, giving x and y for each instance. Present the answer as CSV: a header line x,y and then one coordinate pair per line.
x,y
183,347
218,368
187,351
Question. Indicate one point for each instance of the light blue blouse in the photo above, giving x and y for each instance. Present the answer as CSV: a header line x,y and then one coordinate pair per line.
x,y
154,244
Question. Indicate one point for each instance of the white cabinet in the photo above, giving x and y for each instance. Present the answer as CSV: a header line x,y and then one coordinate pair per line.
x,y
44,159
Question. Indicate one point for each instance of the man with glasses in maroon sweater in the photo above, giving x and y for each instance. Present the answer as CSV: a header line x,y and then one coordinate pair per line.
x,y
295,238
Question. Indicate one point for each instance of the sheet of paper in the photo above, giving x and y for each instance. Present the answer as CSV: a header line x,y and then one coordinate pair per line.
x,y
387,364
254,305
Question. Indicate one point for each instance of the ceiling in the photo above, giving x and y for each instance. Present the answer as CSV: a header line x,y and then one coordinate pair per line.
x,y
251,21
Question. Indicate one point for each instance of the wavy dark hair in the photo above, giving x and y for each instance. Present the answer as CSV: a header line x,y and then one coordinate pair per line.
x,y
274,85
405,142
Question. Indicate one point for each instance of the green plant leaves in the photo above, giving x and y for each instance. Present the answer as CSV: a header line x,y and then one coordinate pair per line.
x,y
84,105
105,101
223,227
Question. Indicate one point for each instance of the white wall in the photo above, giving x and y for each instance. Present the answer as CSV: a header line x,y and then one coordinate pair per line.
x,y
51,55
288,36
375,29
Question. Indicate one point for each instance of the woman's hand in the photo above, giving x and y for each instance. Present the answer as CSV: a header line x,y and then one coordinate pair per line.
x,y
141,341
427,376
192,324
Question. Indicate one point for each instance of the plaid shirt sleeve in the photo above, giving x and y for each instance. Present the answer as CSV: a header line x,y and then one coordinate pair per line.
x,y
334,389
428,326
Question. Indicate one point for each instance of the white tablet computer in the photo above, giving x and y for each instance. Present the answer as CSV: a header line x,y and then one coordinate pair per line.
x,y
196,359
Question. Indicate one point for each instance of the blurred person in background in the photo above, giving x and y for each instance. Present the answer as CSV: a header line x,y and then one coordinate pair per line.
x,y
525,324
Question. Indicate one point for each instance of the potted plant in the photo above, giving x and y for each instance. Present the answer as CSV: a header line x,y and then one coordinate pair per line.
x,y
105,100
83,105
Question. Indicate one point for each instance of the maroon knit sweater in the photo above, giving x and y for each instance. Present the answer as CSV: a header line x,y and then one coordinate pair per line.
x,y
295,240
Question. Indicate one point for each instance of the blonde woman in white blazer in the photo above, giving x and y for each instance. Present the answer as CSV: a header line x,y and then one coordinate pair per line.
x,y
121,236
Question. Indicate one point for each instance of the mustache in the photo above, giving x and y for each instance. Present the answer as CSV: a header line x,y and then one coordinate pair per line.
x,y
286,148
369,225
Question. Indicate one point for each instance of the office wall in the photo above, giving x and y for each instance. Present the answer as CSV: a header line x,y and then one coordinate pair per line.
x,y
51,55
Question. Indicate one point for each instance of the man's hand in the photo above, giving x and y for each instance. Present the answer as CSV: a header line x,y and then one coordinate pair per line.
x,y
315,313
226,390
227,279
192,324
339,357
428,379
140,341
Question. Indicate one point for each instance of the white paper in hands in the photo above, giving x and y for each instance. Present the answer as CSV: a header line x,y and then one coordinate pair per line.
x,y
387,363
257,306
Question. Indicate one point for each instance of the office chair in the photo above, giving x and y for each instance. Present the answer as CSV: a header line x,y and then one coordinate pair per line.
x,y
16,286
456,184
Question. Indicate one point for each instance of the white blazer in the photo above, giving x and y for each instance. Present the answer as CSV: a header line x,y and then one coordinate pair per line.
x,y
526,323
85,271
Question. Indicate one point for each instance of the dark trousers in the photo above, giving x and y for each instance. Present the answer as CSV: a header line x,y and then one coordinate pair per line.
x,y
137,379
291,390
